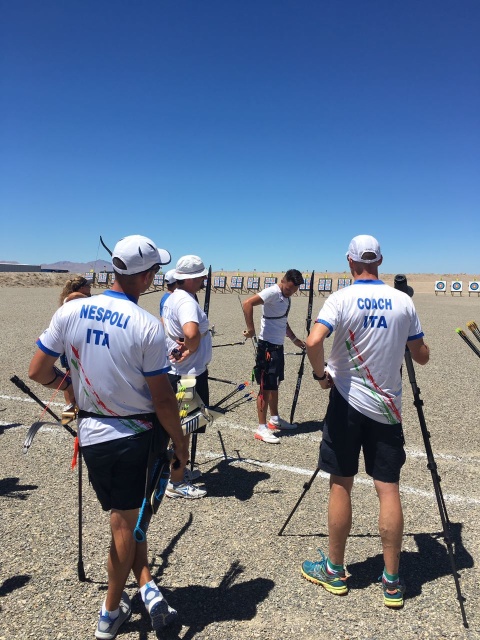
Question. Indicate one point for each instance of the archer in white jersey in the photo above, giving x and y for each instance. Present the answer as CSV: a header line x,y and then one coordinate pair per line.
x,y
269,361
372,325
372,322
118,364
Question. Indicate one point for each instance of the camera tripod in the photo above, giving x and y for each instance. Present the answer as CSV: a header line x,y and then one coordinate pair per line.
x,y
401,283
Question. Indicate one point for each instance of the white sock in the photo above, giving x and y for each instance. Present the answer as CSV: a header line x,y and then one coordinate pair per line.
x,y
262,427
154,595
274,418
113,615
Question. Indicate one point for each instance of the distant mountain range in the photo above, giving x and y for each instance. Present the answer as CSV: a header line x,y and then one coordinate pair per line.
x,y
73,267
81,267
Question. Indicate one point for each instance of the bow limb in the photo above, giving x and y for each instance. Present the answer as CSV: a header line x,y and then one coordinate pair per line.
x,y
105,246
46,409
208,291
310,304
308,323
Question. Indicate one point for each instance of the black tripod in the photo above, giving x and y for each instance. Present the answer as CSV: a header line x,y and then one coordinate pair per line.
x,y
401,283
432,466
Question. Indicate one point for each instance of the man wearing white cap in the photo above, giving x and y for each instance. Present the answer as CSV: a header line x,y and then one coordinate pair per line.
x,y
189,343
119,366
171,286
373,324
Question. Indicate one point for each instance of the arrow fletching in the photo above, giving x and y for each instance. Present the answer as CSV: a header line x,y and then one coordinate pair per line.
x,y
466,339
474,329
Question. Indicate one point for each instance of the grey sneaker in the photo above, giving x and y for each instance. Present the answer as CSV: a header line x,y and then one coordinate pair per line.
x,y
107,628
161,613
184,490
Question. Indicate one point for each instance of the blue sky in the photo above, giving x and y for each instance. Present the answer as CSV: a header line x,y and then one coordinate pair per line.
x,y
258,134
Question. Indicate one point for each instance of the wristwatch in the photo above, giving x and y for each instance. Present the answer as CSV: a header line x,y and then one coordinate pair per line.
x,y
319,378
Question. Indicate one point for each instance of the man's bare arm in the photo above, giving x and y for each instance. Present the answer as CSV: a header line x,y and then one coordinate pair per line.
x,y
419,351
247,306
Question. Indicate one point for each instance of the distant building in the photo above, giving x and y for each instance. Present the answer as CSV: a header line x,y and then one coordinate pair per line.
x,y
16,268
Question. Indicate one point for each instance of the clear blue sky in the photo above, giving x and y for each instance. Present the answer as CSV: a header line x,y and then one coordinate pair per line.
x,y
255,133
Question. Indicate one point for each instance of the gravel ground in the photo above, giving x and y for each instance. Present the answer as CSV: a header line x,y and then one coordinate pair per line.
x,y
220,560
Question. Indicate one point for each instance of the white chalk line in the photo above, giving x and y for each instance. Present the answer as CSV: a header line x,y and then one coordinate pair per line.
x,y
412,453
430,495
454,499
27,399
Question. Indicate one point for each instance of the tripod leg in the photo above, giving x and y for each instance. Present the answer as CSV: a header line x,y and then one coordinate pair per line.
x,y
80,567
306,487
432,466
223,445
446,535
193,449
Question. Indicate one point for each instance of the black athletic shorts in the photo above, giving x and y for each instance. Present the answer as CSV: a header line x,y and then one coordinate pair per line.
x,y
269,365
346,431
201,387
117,470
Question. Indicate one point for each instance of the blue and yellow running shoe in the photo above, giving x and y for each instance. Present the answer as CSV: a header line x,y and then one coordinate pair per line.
x,y
392,593
318,573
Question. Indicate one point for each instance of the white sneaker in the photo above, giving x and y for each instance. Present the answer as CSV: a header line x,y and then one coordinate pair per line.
x,y
184,490
281,424
266,436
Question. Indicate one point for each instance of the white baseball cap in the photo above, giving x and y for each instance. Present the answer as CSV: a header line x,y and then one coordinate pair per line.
x,y
138,253
170,277
360,245
189,267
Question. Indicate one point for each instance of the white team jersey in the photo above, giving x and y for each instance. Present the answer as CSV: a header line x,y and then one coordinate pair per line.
x,y
112,345
373,323
180,308
273,325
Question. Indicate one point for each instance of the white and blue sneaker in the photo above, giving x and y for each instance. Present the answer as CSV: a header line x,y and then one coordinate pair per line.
x,y
184,490
161,613
107,628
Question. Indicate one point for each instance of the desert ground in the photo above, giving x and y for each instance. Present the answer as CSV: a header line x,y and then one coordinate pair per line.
x,y
220,560
421,282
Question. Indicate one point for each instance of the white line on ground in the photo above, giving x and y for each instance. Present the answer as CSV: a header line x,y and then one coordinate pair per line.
x,y
363,481
413,453
312,437
27,399
454,499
